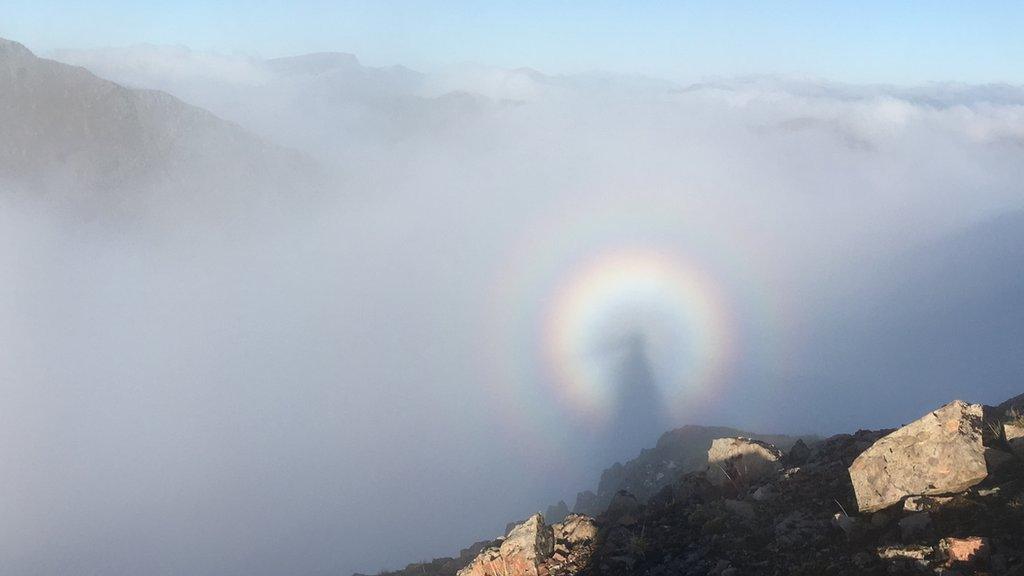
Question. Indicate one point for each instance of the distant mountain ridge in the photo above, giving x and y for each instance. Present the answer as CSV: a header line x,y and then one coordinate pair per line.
x,y
67,133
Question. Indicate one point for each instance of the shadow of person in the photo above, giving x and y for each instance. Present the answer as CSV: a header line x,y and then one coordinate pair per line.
x,y
639,415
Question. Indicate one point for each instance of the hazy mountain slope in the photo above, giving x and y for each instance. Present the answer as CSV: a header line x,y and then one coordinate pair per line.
x,y
67,132
948,312
959,305
326,104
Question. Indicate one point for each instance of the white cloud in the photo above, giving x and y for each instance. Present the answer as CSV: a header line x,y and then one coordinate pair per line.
x,y
301,369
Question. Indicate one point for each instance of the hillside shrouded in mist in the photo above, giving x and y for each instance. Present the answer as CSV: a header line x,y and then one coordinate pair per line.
x,y
305,316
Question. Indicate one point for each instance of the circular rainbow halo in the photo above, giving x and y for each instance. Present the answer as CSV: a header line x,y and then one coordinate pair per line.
x,y
631,302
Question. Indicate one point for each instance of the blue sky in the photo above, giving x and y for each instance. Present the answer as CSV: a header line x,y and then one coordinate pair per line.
x,y
864,41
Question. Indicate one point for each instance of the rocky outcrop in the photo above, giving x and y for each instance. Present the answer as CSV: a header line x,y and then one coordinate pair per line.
x,y
741,461
533,548
804,520
941,453
1015,437
1011,416
577,529
519,554
677,452
799,520
574,544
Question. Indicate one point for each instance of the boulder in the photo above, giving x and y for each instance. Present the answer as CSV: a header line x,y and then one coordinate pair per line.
x,y
941,453
519,554
532,541
741,461
1014,432
575,530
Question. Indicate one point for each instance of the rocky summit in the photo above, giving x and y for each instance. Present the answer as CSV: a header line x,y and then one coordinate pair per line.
x,y
942,495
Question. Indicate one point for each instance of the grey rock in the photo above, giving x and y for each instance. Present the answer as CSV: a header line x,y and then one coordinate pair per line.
x,y
1015,437
940,453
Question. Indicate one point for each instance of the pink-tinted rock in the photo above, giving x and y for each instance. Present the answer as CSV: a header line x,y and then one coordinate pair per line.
x,y
965,550
521,553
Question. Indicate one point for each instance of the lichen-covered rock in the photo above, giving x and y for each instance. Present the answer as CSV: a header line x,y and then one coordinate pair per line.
x,y
741,461
941,453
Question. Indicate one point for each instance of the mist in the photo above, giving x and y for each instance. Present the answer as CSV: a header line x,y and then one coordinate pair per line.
x,y
354,375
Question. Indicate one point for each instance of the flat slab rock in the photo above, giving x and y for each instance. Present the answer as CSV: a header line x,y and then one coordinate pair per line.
x,y
941,453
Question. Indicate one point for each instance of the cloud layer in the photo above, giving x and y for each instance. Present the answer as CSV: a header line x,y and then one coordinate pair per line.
x,y
358,380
